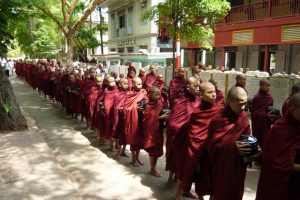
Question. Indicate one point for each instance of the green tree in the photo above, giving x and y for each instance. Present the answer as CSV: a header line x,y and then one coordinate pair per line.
x,y
11,117
192,20
64,14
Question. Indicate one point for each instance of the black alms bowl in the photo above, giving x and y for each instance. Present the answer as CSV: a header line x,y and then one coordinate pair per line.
x,y
164,111
252,141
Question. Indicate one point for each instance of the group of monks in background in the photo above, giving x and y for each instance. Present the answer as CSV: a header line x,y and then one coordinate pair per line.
x,y
202,128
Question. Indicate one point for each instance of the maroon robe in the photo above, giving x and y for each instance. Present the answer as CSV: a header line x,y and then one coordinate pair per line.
x,y
285,106
143,78
75,96
175,86
90,92
130,69
129,79
261,124
197,135
132,129
220,97
277,180
99,119
117,126
227,169
108,103
150,80
153,129
177,132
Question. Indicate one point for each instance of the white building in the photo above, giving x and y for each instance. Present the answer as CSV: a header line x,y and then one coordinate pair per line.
x,y
130,38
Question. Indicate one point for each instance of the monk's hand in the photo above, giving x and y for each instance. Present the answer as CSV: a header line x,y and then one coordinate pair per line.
x,y
257,155
164,117
140,108
297,167
243,149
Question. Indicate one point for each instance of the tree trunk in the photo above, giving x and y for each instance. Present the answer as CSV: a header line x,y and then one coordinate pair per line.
x,y
70,52
13,120
101,31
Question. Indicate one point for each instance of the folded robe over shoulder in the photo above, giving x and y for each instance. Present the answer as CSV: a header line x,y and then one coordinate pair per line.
x,y
108,103
277,180
197,136
153,129
117,125
261,124
131,118
90,92
176,144
99,119
149,80
175,86
226,167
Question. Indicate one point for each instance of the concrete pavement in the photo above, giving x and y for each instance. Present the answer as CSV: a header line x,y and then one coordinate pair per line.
x,y
58,159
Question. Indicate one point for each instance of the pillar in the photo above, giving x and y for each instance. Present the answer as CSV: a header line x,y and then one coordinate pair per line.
x,y
266,59
223,57
178,60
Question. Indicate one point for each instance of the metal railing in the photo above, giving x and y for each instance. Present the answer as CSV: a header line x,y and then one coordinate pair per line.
x,y
259,11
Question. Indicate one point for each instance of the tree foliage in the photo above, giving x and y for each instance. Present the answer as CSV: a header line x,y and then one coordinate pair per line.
x,y
8,10
192,20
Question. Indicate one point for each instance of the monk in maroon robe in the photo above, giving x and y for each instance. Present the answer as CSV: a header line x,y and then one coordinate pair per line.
x,y
196,72
130,78
58,92
108,103
227,169
161,84
177,130
75,96
197,134
133,120
130,69
117,126
261,120
220,97
99,119
90,95
150,78
153,128
176,85
295,90
280,173
241,81
142,75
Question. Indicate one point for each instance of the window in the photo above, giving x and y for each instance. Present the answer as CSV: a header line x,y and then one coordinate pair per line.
x,y
122,21
120,50
130,49
130,21
113,25
112,50
143,9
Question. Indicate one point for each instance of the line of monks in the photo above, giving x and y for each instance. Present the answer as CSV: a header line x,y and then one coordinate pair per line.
x,y
202,129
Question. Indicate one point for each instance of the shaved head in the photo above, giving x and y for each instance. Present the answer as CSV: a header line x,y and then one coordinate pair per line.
x,y
237,100
240,76
123,80
263,82
235,93
123,83
154,89
136,80
295,89
295,101
205,86
193,85
137,84
294,105
208,92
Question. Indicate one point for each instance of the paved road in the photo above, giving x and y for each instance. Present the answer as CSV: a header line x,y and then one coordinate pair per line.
x,y
57,158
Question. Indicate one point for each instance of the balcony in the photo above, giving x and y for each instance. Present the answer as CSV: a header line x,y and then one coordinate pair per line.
x,y
263,10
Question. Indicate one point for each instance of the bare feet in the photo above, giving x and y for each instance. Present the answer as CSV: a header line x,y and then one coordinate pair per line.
x,y
190,195
141,163
169,183
155,173
117,157
135,164
124,154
